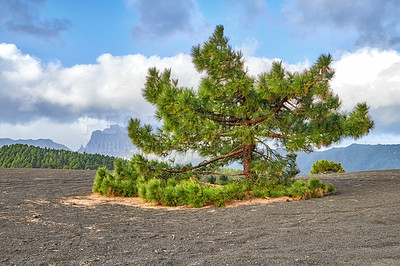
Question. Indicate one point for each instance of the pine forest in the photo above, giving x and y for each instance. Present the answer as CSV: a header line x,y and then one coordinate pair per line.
x,y
24,156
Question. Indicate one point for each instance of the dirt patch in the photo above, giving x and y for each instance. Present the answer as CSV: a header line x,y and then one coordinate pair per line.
x,y
93,200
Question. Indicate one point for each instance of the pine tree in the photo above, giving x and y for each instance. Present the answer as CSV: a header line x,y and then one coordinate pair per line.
x,y
233,116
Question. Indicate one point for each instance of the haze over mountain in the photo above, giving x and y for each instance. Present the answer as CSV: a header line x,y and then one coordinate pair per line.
x,y
42,143
113,141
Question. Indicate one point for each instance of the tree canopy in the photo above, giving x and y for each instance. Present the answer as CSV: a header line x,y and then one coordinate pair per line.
x,y
234,117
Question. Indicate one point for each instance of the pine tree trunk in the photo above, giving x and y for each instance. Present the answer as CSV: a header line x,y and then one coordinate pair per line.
x,y
247,158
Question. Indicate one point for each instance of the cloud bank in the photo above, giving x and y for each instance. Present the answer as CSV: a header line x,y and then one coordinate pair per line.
x,y
31,90
39,97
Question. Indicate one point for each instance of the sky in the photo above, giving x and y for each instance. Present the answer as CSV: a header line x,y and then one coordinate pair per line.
x,y
69,67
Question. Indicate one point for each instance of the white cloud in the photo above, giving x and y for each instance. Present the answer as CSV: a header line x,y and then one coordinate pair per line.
x,y
369,75
114,83
258,65
51,101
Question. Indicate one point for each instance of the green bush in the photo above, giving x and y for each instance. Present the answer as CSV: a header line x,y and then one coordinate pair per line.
x,y
325,167
130,179
211,179
314,183
299,189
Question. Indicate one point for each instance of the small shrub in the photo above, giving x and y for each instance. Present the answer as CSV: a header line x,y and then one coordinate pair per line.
x,y
325,167
235,191
184,189
317,193
330,188
193,194
314,183
169,197
223,180
154,190
214,196
299,190
211,179
278,191
261,192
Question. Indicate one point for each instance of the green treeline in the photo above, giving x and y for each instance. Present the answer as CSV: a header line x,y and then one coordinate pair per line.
x,y
24,156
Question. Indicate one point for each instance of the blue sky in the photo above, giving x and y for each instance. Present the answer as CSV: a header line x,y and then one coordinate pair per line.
x,y
68,67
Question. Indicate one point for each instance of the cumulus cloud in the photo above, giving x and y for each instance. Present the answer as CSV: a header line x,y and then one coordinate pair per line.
x,y
31,90
371,75
44,98
376,22
368,74
23,16
159,19
258,65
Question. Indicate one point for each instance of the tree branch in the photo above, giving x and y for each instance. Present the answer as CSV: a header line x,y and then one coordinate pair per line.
x,y
294,106
218,158
265,157
277,108
214,117
278,136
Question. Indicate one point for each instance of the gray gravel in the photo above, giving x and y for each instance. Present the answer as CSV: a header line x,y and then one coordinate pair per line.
x,y
360,225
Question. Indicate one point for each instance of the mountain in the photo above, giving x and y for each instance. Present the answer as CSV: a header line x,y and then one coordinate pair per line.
x,y
355,158
42,143
113,141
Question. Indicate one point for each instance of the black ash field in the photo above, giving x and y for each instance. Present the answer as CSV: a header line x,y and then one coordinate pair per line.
x,y
44,220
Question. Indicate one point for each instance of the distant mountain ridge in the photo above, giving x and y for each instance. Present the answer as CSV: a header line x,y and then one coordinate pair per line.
x,y
42,143
355,158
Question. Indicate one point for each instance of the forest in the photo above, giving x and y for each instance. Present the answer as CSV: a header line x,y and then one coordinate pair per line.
x,y
27,156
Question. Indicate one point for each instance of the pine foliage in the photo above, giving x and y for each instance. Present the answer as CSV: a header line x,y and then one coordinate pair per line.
x,y
233,117
326,167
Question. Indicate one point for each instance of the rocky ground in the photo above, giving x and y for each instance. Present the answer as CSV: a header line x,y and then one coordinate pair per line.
x,y
44,220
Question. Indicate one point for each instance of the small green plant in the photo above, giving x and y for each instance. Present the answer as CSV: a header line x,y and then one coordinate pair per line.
x,y
211,179
325,167
130,179
223,180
